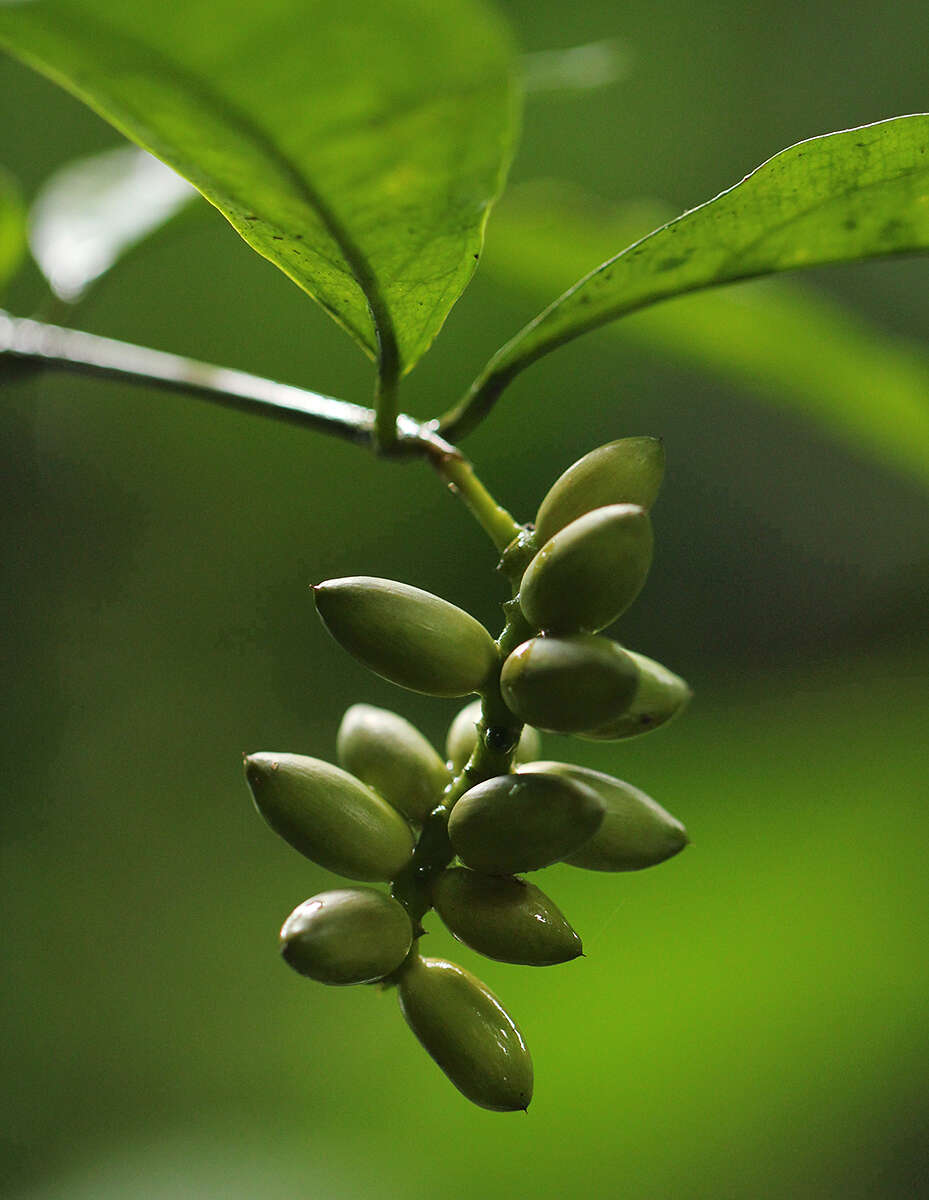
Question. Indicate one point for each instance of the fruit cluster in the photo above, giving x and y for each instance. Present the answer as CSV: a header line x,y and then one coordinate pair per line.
x,y
396,812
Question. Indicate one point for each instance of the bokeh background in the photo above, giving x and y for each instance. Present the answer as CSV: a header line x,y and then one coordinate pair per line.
x,y
751,1019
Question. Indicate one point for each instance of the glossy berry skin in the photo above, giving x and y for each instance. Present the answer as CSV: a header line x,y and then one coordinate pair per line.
x,y
462,738
659,696
588,573
522,822
406,635
391,756
628,471
468,1032
635,832
568,684
329,815
504,918
345,936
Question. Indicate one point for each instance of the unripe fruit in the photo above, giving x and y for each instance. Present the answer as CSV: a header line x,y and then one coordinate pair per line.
x,y
625,472
659,696
406,635
635,833
468,1032
462,738
329,815
589,572
504,918
388,754
520,822
349,935
568,684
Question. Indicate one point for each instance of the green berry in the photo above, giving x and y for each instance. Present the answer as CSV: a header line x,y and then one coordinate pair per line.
x,y
625,472
568,684
589,572
388,754
329,815
406,635
635,833
659,696
350,935
468,1032
462,738
518,822
504,918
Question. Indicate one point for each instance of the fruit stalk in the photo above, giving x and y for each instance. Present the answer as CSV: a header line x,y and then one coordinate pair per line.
x,y
498,729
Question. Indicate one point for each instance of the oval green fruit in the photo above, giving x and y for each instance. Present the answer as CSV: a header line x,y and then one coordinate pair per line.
x,y
390,755
625,472
659,696
518,822
462,738
635,833
348,935
504,918
329,815
468,1032
406,635
568,684
589,572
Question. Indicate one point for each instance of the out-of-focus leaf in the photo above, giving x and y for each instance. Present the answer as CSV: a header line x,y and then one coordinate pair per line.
x,y
12,228
357,146
857,194
576,68
788,344
93,211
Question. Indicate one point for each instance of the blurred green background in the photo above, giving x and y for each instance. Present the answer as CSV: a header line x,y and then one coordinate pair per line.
x,y
751,1019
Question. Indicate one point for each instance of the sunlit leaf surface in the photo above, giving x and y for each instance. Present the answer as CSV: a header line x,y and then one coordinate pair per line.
x,y
357,146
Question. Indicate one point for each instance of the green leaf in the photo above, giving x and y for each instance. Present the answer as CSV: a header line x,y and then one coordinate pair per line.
x,y
576,68
857,194
12,228
789,345
357,146
93,211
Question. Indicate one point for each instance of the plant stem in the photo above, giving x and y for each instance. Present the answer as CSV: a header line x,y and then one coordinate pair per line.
x,y
39,345
498,733
458,472
51,346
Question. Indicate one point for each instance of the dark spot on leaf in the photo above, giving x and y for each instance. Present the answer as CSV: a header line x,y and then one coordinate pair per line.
x,y
671,264
276,237
850,223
